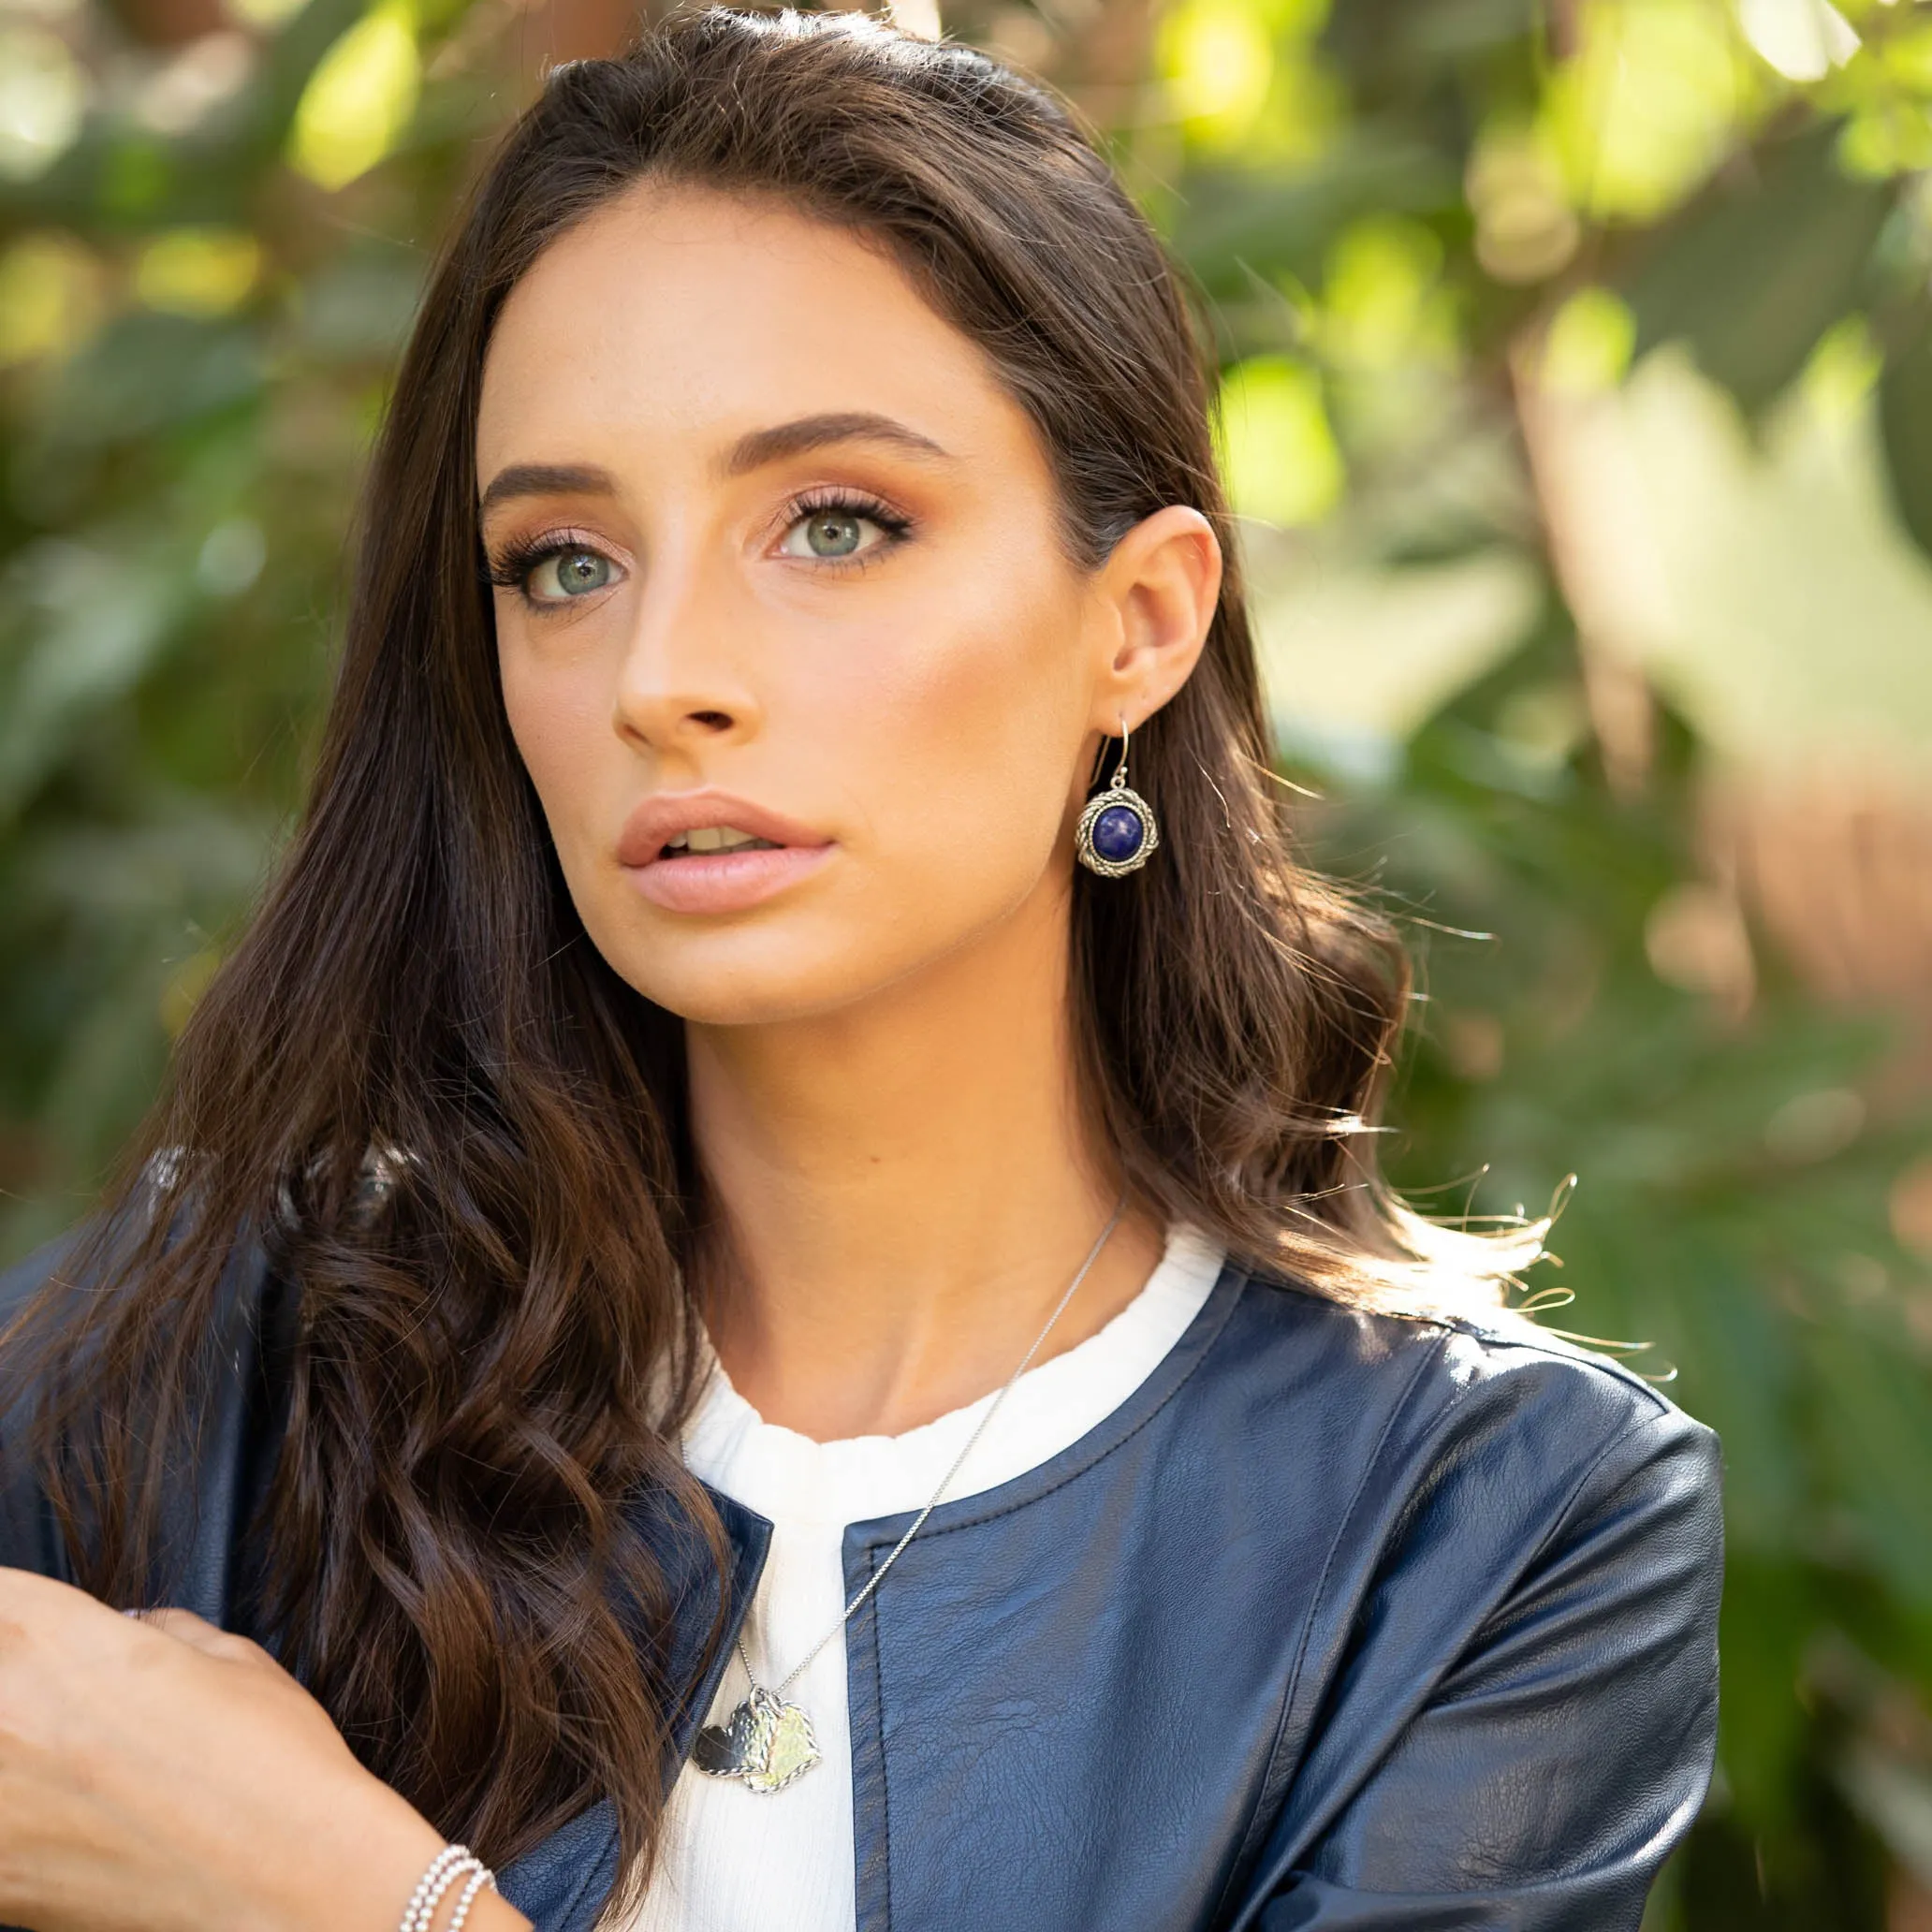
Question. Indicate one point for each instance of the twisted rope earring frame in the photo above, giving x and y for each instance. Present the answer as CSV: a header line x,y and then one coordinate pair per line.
x,y
1117,832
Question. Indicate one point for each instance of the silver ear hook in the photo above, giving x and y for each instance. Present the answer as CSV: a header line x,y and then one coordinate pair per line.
x,y
1117,831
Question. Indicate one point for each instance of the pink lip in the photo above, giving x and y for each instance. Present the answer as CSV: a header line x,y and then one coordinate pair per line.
x,y
716,882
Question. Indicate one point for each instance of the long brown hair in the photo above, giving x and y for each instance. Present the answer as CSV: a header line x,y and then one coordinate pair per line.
x,y
460,1134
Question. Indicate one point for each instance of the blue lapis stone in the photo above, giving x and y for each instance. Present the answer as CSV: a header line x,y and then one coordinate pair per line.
x,y
1118,834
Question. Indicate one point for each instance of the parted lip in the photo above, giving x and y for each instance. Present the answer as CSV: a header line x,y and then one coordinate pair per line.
x,y
660,819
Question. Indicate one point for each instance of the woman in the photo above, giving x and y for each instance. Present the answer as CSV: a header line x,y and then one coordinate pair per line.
x,y
729,1005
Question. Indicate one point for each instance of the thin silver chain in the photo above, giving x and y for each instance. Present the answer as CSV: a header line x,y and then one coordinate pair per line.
x,y
878,1575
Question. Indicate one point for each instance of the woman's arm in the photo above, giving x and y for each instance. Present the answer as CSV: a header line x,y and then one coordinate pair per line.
x,y
157,1775
1548,1773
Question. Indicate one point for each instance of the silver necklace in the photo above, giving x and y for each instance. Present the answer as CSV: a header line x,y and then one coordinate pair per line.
x,y
767,1741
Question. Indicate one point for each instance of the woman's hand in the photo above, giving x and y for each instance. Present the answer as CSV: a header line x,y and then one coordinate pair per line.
x,y
157,1775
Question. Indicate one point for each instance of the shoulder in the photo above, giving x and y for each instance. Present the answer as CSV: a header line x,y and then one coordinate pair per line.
x,y
1439,1363
1484,1415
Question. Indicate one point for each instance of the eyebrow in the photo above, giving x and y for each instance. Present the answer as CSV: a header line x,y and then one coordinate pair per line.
x,y
762,447
546,479
751,451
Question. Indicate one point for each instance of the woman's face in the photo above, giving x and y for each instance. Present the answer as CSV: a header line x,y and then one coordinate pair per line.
x,y
806,684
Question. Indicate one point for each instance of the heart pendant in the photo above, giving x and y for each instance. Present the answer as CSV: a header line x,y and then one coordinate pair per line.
x,y
766,1743
741,1743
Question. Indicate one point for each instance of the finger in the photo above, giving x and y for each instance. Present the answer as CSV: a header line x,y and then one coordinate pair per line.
x,y
197,1633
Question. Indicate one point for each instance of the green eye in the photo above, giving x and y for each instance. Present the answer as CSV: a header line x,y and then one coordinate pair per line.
x,y
834,533
569,574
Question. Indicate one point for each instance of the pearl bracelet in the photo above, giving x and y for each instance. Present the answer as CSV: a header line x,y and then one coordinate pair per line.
x,y
412,1919
454,1861
479,1879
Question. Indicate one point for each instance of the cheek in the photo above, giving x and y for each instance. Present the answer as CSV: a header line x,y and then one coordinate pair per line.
x,y
562,727
967,732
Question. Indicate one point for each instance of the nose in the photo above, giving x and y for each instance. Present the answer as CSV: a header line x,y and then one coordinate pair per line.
x,y
684,684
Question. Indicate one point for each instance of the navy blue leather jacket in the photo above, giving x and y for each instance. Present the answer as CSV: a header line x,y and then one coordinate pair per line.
x,y
1340,1623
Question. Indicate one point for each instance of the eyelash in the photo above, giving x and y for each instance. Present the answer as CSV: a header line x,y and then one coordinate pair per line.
x,y
513,565
511,568
854,503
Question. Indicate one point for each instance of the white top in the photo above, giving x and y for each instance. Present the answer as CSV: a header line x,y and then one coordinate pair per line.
x,y
733,1858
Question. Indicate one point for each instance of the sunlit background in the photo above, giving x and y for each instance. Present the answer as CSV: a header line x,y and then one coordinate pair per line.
x,y
1578,403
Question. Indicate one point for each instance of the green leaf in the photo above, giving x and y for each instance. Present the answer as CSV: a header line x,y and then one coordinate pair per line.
x,y
1751,276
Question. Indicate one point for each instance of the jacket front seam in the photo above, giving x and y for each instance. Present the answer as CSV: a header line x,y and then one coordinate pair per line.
x,y
885,1763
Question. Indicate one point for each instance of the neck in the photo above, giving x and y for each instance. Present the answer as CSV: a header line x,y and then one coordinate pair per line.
x,y
906,1190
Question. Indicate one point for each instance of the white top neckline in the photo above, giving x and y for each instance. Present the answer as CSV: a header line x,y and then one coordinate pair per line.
x,y
778,1472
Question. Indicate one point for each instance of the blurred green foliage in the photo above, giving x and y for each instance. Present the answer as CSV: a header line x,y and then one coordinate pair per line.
x,y
1413,220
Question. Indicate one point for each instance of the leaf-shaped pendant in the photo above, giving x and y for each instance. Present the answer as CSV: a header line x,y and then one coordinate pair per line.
x,y
792,1752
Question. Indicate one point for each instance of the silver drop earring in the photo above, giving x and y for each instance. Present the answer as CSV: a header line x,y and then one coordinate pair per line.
x,y
1117,831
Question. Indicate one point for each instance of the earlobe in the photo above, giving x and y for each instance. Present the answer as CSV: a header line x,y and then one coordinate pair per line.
x,y
1161,583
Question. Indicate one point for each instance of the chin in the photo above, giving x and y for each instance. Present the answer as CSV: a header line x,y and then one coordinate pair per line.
x,y
748,999
764,975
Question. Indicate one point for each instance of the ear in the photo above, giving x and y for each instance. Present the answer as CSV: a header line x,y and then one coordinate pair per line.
x,y
1155,597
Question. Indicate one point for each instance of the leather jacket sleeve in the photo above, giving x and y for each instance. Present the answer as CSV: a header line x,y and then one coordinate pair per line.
x,y
1538,1783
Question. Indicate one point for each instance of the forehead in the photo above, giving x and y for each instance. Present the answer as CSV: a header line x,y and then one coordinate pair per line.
x,y
687,315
